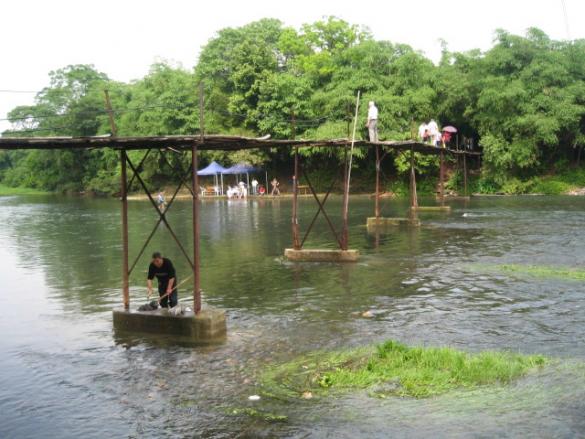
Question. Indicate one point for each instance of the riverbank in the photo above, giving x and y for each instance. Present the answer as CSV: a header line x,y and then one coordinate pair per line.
x,y
8,191
567,182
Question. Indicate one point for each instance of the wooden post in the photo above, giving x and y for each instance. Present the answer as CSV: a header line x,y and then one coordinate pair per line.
x,y
124,200
294,219
413,194
377,203
442,178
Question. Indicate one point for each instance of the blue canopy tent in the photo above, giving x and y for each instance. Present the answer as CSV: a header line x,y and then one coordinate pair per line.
x,y
242,168
216,170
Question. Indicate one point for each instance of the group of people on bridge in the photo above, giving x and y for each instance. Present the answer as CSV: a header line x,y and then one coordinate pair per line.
x,y
428,132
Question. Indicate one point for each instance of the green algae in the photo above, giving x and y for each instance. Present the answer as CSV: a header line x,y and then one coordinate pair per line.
x,y
394,369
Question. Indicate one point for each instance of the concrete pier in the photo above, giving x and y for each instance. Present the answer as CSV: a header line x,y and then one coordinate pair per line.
x,y
381,223
321,255
432,208
207,327
456,198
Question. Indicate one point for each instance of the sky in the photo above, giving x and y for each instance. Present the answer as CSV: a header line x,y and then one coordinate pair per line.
x,y
122,38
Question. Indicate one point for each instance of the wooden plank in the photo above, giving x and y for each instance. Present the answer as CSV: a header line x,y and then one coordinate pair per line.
x,y
206,142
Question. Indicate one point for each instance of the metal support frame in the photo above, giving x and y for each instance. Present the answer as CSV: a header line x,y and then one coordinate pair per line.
x,y
295,220
195,215
298,245
377,205
124,199
465,174
162,215
413,194
125,162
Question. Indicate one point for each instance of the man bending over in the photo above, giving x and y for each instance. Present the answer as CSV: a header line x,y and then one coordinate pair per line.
x,y
164,271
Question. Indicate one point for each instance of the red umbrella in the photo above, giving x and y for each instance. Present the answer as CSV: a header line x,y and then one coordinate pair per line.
x,y
450,129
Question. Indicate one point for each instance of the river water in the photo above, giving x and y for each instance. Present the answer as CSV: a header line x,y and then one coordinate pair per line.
x,y
65,373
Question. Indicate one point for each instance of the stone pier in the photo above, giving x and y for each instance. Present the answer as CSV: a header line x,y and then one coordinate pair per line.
x,y
321,255
378,224
207,327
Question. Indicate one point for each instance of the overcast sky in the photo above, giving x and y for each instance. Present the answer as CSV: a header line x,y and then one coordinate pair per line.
x,y
124,37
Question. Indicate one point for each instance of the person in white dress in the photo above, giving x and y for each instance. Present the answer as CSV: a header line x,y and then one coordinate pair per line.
x,y
434,132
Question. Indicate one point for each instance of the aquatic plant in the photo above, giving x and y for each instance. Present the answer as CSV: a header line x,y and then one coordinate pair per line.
x,y
395,369
542,271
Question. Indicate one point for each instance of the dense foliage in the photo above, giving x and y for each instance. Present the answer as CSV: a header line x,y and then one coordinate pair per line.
x,y
523,101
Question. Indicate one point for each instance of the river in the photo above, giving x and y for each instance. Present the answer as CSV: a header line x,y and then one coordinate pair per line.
x,y
65,373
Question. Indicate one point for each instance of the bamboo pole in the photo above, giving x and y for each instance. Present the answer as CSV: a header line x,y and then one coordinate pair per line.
x,y
377,202
345,232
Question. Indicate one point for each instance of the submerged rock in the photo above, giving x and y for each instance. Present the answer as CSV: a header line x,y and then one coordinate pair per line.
x,y
387,388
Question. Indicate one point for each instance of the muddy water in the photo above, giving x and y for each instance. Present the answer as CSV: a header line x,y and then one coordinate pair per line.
x,y
66,374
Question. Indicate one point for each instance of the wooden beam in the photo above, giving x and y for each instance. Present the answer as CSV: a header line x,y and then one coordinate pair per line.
x,y
207,143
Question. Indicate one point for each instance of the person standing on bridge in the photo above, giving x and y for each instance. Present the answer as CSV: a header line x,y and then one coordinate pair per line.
x,y
372,123
423,132
435,133
163,270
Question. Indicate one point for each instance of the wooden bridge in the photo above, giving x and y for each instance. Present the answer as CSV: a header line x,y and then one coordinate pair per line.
x,y
197,143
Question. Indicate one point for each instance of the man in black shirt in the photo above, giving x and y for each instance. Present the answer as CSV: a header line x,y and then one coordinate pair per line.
x,y
164,271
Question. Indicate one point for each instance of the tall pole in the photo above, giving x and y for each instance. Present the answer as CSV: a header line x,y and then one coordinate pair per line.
x,y
295,188
295,219
195,213
465,173
201,111
345,232
377,203
442,178
124,200
413,195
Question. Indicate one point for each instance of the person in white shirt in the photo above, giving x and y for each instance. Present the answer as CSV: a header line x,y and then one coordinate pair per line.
x,y
434,132
255,187
423,132
372,123
243,189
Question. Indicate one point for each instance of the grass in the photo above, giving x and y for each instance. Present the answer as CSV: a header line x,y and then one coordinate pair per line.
x,y
394,369
543,271
7,190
